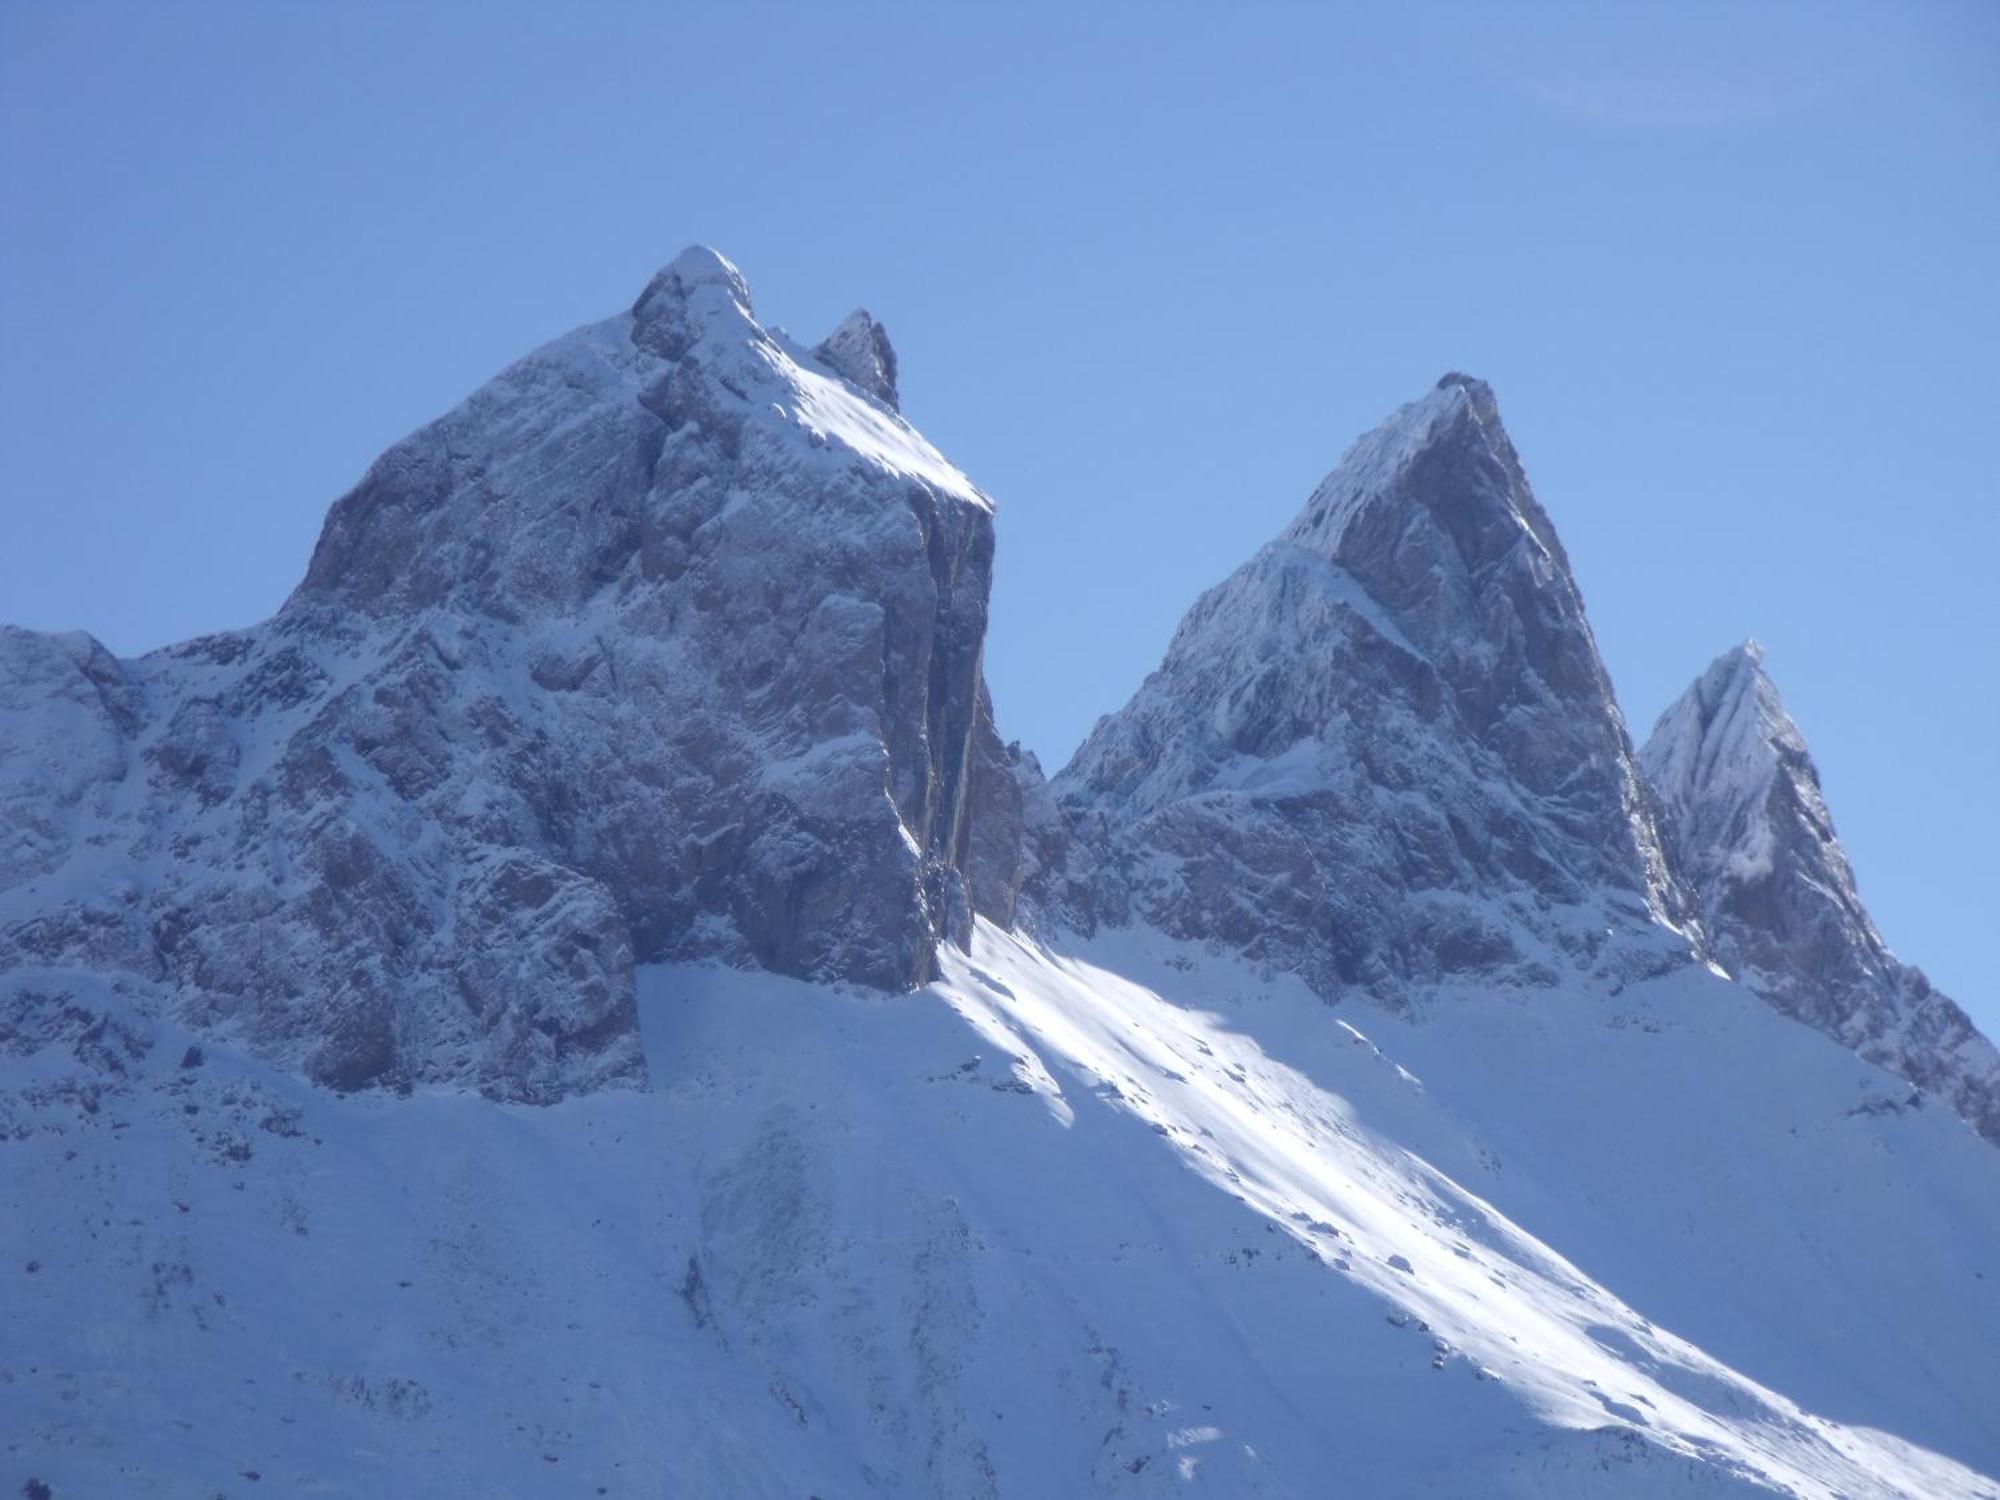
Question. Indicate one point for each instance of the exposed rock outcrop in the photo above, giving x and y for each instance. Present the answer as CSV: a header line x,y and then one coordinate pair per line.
x,y
665,644
1384,751
860,351
1743,806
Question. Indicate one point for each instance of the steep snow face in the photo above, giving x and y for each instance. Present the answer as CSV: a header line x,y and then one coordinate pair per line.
x,y
665,644
1130,1221
1384,751
1743,806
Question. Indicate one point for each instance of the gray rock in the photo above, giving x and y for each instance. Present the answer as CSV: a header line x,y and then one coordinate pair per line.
x,y
860,352
1751,829
1383,753
664,645
996,856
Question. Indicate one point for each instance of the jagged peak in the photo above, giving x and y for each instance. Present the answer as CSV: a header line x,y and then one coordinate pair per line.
x,y
1723,739
1736,681
860,352
698,266
1740,667
1457,380
1739,786
693,291
1750,826
1456,421
1417,624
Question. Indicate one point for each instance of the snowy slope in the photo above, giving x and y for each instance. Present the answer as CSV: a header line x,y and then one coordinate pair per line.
x,y
1041,1229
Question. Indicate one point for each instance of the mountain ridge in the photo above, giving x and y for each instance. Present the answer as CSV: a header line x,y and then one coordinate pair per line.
x,y
587,991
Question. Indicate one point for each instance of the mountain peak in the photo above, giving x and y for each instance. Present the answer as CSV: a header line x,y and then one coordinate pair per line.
x,y
1714,753
1446,454
1415,627
699,266
1749,827
860,352
660,645
1742,662
697,290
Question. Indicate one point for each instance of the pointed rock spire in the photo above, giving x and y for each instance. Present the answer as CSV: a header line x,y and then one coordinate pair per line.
x,y
1433,516
1749,826
1384,751
1750,829
859,351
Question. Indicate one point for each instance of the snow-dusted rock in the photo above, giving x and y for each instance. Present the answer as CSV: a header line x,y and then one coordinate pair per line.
x,y
665,644
1384,750
997,859
1743,805
859,350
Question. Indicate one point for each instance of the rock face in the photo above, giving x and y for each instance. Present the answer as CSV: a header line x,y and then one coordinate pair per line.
x,y
665,644
1383,752
860,351
1743,807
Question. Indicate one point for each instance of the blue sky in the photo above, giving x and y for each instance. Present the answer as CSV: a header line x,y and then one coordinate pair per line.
x,y
1149,270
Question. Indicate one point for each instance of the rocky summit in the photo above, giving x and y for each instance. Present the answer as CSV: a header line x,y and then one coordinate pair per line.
x,y
665,644
1752,832
1383,753
586,1000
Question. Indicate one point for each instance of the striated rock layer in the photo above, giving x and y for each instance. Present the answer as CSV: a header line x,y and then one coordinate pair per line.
x,y
1752,832
665,644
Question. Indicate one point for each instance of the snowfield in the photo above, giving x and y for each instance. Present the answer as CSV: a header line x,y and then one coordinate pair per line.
x,y
1132,1218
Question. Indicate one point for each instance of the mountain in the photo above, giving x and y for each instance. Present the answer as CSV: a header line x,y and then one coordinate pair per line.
x,y
1383,753
664,645
1751,829
586,1001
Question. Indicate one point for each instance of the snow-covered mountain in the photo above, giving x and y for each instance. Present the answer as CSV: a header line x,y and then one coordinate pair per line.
x,y
1743,803
1384,751
665,644
584,1002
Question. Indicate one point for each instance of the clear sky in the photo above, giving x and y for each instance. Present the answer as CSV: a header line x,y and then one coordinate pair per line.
x,y
1149,269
